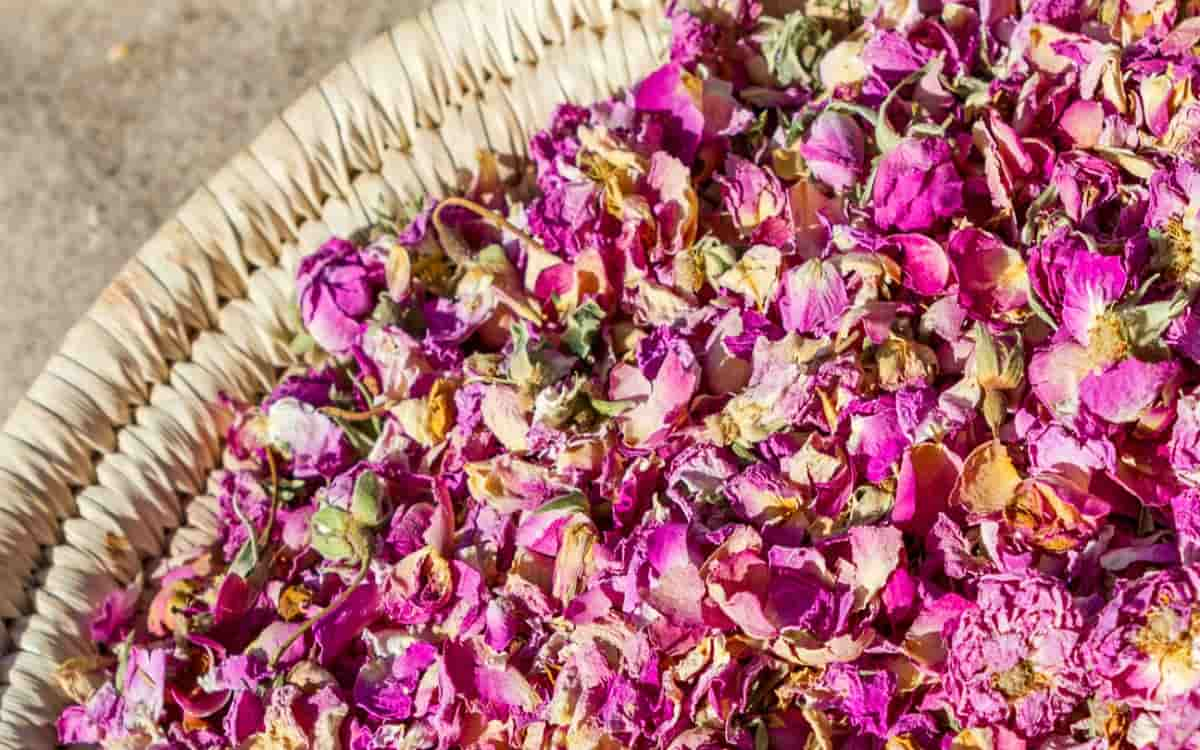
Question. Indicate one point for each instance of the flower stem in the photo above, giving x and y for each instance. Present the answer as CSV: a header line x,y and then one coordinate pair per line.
x,y
358,416
367,396
338,601
266,536
488,215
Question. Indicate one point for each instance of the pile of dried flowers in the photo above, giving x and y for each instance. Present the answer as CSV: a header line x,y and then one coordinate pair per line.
x,y
840,387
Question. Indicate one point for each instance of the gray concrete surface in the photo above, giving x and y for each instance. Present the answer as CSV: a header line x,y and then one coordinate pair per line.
x,y
113,111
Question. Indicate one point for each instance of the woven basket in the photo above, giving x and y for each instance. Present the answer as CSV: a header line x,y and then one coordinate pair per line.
x,y
105,463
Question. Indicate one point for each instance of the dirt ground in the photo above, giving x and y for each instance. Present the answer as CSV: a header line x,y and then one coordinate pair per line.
x,y
113,111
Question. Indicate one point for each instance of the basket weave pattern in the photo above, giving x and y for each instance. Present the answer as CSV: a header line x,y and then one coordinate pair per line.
x,y
106,463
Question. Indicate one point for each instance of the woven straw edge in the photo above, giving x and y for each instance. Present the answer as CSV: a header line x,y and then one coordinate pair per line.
x,y
110,459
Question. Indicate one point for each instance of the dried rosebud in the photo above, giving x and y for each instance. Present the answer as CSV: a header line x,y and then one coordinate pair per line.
x,y
328,535
905,364
752,195
337,287
999,365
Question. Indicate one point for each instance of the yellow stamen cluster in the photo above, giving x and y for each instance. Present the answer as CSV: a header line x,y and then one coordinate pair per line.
x,y
1157,637
434,271
1173,256
1019,681
1108,341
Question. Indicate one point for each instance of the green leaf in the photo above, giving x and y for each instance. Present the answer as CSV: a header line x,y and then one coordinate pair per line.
x,y
1040,310
928,130
575,501
886,136
718,256
987,361
1146,324
742,451
758,128
493,258
302,344
866,190
851,108
123,648
356,433
330,529
582,328
520,364
794,45
1036,207
365,505
386,310
453,244
795,129
246,559
557,405
1140,292
611,408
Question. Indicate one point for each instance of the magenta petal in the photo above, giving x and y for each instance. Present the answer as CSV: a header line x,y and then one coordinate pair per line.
x,y
798,599
665,91
386,688
876,440
925,262
1122,392
1184,333
505,692
1083,121
233,600
927,475
1184,445
900,595
753,196
146,681
200,703
1055,373
814,298
1185,513
916,186
90,723
876,552
245,716
992,278
738,581
673,387
273,637
113,619
1023,623
1094,282
834,150
864,697
334,632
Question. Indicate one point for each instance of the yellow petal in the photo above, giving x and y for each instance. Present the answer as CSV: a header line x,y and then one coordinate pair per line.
x,y
989,480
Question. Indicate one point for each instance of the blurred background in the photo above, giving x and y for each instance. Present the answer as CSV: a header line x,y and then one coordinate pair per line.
x,y
113,111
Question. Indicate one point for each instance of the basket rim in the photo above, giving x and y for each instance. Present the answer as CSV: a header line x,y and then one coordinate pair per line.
x,y
106,461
